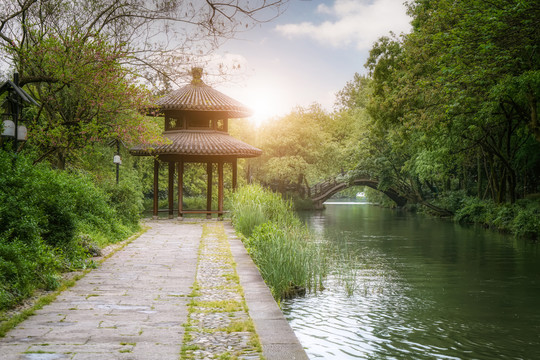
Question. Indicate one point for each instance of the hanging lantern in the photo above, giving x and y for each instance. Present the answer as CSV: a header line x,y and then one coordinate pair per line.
x,y
22,133
9,128
117,159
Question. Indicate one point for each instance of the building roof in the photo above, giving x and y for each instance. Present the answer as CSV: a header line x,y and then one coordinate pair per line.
x,y
197,96
13,86
200,142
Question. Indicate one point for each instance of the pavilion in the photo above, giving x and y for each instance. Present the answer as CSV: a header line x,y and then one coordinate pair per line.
x,y
196,125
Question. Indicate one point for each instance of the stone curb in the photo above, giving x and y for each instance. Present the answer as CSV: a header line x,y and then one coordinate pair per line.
x,y
276,335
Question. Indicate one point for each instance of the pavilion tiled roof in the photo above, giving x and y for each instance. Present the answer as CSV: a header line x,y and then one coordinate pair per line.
x,y
197,96
200,142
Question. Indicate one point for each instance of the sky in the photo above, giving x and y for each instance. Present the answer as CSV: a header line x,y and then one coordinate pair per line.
x,y
307,54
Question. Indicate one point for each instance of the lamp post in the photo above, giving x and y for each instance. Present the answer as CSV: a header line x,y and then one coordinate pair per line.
x,y
117,160
11,127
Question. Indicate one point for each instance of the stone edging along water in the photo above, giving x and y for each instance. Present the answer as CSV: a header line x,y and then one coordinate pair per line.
x,y
276,335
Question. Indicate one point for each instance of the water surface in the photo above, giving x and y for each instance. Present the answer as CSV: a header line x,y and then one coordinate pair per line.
x,y
419,288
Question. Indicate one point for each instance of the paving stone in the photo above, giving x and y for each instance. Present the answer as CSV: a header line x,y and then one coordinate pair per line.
x,y
135,304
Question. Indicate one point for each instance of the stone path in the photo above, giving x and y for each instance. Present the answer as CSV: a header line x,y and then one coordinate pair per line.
x,y
166,295
218,321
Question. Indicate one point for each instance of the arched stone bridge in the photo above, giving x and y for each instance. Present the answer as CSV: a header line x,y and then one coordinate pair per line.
x,y
322,191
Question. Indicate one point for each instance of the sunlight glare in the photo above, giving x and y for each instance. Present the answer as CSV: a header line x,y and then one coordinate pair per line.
x,y
265,104
265,95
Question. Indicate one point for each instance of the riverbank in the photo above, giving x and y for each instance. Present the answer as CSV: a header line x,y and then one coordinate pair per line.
x,y
148,300
521,219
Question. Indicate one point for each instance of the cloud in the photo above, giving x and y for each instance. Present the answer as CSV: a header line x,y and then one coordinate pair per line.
x,y
353,23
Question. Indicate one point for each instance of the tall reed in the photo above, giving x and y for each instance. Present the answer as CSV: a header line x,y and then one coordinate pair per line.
x,y
252,205
288,257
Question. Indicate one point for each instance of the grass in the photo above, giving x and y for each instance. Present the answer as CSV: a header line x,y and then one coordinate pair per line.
x,y
252,206
240,326
217,306
13,321
9,324
214,235
284,250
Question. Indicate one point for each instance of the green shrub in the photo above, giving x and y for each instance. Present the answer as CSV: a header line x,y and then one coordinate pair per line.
x,y
302,204
504,216
521,219
52,220
476,211
451,200
23,267
527,221
126,199
194,203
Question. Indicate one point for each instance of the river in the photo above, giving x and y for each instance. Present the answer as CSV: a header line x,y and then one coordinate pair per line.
x,y
419,288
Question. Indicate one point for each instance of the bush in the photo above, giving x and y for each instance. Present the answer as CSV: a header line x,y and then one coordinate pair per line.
x,y
527,221
30,205
451,200
194,203
51,220
504,216
127,200
23,267
521,219
476,211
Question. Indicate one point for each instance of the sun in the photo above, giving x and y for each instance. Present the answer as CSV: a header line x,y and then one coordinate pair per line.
x,y
264,97
262,111
266,104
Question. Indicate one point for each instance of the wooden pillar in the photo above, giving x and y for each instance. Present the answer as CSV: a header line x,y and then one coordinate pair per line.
x,y
234,174
180,189
156,188
171,189
209,190
220,189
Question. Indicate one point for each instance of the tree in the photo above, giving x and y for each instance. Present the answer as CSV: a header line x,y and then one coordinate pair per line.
x,y
297,150
93,98
456,100
157,37
485,69
86,62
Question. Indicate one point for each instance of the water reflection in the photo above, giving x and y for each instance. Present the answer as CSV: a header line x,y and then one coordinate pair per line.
x,y
422,289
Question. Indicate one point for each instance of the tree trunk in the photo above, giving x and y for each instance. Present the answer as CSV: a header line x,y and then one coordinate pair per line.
x,y
512,181
61,164
478,177
501,196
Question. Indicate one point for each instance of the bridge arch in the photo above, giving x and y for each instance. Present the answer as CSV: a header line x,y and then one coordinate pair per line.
x,y
325,190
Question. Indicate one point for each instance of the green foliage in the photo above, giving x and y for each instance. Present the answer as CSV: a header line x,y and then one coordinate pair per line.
x,y
126,200
25,265
299,149
86,95
252,205
289,259
527,221
451,200
453,105
521,219
51,220
475,211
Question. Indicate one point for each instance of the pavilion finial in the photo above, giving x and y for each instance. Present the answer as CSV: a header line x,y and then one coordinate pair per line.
x,y
196,72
